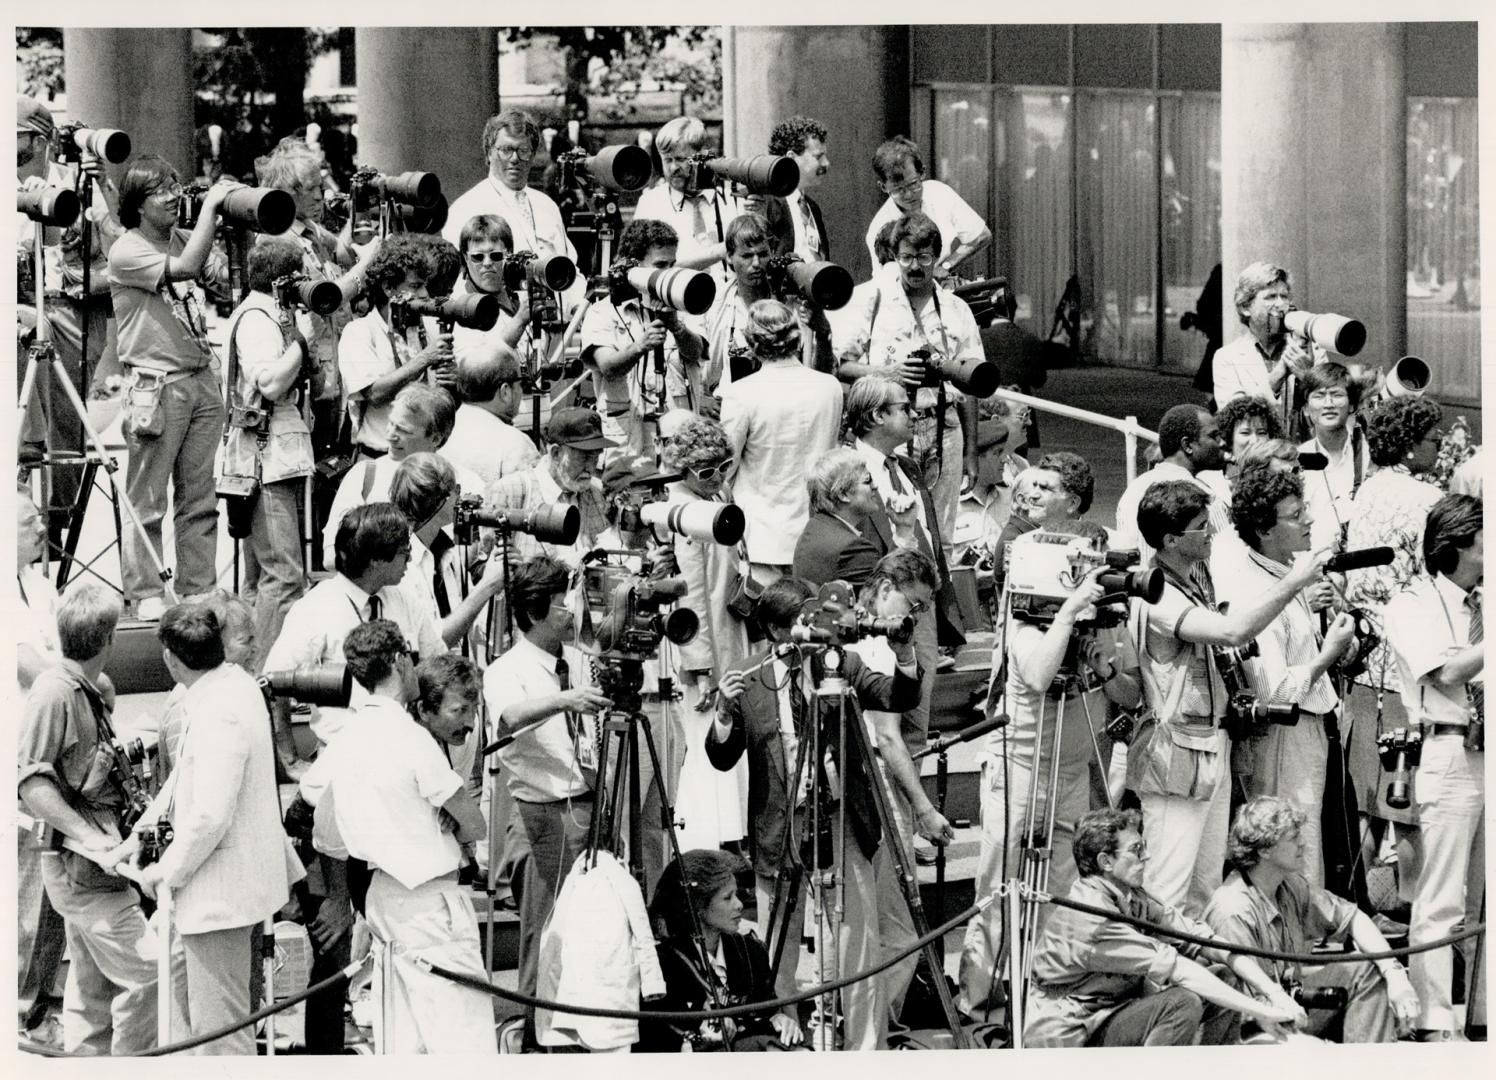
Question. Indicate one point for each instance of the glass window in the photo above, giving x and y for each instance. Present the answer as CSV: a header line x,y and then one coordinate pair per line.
x,y
963,156
1191,224
1444,244
1032,232
1117,219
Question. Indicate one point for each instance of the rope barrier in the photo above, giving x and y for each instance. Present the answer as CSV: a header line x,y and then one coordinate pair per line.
x,y
1250,950
750,1009
198,1040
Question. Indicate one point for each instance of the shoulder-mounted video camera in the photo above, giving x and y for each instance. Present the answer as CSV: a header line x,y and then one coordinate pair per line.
x,y
475,311
978,378
1044,568
762,174
266,210
550,523
822,284
1400,750
74,140
832,617
676,287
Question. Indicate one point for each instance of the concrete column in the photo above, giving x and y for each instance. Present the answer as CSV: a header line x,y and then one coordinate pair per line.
x,y
853,79
423,95
1313,141
139,81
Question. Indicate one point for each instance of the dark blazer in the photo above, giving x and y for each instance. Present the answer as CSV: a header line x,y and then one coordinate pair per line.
x,y
686,983
880,532
781,222
754,720
830,551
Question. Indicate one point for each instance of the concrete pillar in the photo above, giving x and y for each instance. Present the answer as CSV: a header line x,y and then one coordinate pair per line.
x,y
139,81
853,79
1314,143
423,95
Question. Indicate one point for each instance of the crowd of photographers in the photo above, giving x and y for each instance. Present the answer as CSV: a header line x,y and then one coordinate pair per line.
x,y
510,603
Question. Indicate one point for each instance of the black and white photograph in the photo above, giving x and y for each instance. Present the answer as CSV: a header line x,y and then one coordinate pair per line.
x,y
783,536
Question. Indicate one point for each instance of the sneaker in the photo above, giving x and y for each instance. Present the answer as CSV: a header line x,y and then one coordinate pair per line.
x,y
47,1034
150,609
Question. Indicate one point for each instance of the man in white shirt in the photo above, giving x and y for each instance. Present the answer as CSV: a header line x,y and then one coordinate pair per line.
x,y
392,800
804,139
510,141
778,419
373,548
484,441
1331,401
700,218
1291,662
1260,361
551,767
1436,631
901,176
1191,442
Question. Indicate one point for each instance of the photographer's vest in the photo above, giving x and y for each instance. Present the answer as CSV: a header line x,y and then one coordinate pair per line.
x,y
244,445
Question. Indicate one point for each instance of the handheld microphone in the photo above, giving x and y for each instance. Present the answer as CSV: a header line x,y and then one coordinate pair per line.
x,y
1359,560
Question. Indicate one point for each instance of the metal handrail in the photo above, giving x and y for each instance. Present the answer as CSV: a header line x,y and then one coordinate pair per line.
x,y
1128,427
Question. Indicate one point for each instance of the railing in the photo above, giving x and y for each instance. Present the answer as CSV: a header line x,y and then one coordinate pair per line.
x,y
1128,427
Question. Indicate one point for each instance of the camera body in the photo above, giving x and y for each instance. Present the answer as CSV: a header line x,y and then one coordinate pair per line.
x,y
368,187
1044,569
833,618
1400,750
154,840
1246,717
979,378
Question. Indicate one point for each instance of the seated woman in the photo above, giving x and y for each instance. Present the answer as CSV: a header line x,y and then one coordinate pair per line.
x,y
724,968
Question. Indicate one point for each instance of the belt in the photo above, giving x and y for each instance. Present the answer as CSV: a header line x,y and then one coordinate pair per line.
x,y
1445,729
166,377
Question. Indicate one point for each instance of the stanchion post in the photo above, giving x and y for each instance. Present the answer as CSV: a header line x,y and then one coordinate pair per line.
x,y
1130,439
1015,964
164,998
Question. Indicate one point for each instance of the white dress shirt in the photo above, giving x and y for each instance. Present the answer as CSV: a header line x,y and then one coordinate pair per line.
x,y
663,203
1426,624
1129,537
486,448
542,765
905,509
533,218
957,220
1329,491
1289,645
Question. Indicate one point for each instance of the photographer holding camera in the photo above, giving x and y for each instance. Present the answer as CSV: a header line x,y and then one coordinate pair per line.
x,y
1084,666
375,360
1435,630
698,217
1178,762
1260,361
1268,903
485,243
765,711
623,341
484,440
173,415
68,778
393,801
920,333
803,139
228,864
267,447
1290,662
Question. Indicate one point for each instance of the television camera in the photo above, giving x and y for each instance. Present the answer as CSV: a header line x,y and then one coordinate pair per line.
x,y
833,618
1044,568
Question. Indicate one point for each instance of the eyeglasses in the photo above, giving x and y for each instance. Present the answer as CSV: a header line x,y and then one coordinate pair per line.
x,y
902,406
513,153
924,258
919,607
709,472
171,191
1138,849
487,256
901,189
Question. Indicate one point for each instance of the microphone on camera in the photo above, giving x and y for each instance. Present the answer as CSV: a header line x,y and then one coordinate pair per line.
x,y
1359,560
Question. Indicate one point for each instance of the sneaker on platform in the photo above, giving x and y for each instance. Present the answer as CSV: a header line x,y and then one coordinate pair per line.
x,y
150,609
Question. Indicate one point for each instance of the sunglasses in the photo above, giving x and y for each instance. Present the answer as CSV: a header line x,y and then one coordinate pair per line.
x,y
487,256
709,472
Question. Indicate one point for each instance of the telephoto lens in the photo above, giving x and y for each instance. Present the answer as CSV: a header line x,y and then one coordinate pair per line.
x,y
49,205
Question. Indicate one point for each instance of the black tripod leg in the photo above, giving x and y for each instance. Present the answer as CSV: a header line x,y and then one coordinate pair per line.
x,y
791,873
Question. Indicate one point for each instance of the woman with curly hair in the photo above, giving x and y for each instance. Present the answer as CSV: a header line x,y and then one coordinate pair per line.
x,y
1402,437
699,893
712,804
1244,422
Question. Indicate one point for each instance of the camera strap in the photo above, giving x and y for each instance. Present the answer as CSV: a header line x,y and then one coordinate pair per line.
x,y
1200,592
262,429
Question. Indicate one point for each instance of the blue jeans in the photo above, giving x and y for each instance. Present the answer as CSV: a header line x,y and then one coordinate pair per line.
x,y
181,457
272,560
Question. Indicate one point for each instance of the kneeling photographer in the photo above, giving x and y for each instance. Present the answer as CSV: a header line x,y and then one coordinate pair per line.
x,y
1065,655
1269,903
767,709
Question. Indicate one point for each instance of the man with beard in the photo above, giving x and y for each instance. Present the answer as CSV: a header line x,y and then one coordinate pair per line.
x,y
1191,442
901,176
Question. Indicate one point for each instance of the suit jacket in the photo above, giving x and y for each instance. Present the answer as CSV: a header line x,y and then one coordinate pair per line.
x,y
782,226
947,613
748,980
229,864
754,720
830,551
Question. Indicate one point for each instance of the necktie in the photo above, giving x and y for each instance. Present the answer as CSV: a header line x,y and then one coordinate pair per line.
x,y
698,217
1476,691
522,200
376,608
893,475
798,720
440,545
812,234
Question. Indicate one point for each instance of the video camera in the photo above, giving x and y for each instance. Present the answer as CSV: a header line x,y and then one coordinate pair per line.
x,y
1044,568
823,284
629,616
550,523
106,144
300,290
50,205
832,617
475,311
978,378
762,174
617,168
676,287
1400,750
323,685
266,210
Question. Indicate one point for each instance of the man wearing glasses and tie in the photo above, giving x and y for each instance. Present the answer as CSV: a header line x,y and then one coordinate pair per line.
x,y
901,176
700,218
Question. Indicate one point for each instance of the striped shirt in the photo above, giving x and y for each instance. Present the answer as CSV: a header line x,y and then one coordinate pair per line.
x,y
1288,647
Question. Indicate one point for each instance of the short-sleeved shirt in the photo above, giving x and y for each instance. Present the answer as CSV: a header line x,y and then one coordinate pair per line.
x,y
541,765
624,399
664,203
386,783
1295,918
1328,492
161,323
316,625
256,335
956,219
59,739
534,487
369,350
1426,625
1180,679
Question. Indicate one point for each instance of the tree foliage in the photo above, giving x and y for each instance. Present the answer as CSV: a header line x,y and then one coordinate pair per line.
x,y
39,61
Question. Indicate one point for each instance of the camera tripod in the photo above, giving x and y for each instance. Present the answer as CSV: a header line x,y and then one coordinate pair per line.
x,y
831,722
43,353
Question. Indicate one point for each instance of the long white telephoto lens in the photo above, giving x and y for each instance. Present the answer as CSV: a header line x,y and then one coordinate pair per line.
x,y
691,291
720,523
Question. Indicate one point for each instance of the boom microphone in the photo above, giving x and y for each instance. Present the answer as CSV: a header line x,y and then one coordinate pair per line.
x,y
966,734
1359,560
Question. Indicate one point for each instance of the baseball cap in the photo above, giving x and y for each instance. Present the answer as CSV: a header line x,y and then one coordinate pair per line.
x,y
578,428
33,116
623,471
